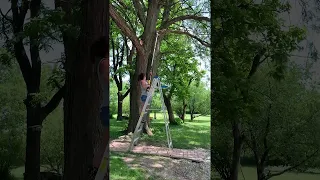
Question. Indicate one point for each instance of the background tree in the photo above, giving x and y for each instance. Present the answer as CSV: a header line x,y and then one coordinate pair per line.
x,y
283,117
247,34
121,61
178,68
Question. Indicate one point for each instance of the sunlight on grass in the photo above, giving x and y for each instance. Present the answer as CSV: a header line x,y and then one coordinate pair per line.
x,y
120,170
189,135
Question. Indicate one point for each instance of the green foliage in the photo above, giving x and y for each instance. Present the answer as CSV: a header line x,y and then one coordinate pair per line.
x,y
178,121
113,98
199,100
5,57
179,67
247,34
11,119
288,112
52,152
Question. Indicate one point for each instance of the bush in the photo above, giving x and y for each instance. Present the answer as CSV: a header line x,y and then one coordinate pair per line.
x,y
10,153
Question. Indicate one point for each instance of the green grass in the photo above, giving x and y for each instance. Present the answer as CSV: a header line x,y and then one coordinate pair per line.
x,y
249,173
120,170
189,135
18,172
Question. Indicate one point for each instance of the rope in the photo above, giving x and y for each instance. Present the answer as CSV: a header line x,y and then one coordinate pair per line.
x,y
154,49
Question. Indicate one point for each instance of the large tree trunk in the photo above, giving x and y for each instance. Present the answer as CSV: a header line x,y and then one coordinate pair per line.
x,y
135,92
167,102
260,172
237,143
143,60
83,129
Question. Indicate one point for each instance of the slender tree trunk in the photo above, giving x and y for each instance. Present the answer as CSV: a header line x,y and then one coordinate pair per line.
x,y
82,127
184,107
191,114
32,165
167,101
237,143
120,100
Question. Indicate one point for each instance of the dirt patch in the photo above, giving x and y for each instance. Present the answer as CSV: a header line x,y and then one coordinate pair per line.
x,y
160,168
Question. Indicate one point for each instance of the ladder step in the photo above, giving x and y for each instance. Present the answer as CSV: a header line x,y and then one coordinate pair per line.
x,y
136,139
139,130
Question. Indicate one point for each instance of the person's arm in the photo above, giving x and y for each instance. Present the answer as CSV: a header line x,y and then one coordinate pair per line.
x,y
144,84
104,69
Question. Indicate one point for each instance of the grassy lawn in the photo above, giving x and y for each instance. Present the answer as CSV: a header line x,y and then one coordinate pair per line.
x,y
189,135
120,170
249,173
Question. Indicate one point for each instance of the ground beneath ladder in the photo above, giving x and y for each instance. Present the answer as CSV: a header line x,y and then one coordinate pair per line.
x,y
164,168
175,164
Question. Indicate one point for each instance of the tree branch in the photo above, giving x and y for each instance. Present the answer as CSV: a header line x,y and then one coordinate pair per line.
x,y
190,35
125,29
256,62
126,94
140,11
19,51
182,18
53,103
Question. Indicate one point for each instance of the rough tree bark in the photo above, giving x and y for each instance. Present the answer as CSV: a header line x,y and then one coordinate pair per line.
x,y
82,128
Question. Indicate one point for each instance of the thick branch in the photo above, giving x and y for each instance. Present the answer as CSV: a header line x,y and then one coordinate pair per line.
x,y
53,103
125,29
182,18
256,62
19,51
140,11
190,35
126,94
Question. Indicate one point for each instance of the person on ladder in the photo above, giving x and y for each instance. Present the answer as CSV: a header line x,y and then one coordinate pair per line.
x,y
99,54
144,86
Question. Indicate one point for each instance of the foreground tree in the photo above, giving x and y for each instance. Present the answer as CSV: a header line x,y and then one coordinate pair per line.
x,y
38,34
82,127
247,34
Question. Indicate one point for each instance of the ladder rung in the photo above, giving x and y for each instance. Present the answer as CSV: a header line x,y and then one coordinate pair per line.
x,y
139,130
136,139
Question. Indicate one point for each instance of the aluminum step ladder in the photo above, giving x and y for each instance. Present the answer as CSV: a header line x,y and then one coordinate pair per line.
x,y
156,84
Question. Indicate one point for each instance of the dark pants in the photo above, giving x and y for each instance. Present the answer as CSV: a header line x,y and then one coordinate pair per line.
x,y
143,98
